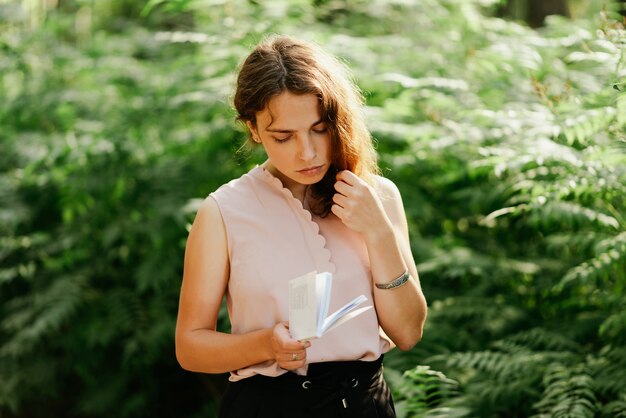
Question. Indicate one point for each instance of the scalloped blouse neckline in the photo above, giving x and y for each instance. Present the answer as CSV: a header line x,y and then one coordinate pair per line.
x,y
323,255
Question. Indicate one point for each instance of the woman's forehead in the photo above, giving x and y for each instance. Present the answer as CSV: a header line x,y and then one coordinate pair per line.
x,y
290,111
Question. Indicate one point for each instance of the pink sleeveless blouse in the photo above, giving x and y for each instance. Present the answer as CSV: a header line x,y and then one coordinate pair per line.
x,y
272,238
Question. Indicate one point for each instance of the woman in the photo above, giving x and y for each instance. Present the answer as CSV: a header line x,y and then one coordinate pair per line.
x,y
316,204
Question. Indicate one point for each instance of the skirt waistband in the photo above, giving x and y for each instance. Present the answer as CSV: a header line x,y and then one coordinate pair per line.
x,y
327,376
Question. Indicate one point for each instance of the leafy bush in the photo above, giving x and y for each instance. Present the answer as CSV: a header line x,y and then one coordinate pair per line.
x,y
507,144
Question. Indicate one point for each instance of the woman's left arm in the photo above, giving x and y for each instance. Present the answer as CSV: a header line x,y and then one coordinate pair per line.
x,y
382,223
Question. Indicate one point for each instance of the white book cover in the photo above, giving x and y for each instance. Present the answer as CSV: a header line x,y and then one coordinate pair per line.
x,y
309,296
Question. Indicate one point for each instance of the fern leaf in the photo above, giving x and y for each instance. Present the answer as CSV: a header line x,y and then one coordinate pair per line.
x,y
426,82
616,408
49,311
607,267
620,104
540,339
608,368
581,128
503,366
569,214
427,393
616,243
614,327
568,393
580,242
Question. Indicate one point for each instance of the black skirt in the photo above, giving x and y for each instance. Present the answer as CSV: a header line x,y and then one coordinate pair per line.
x,y
334,389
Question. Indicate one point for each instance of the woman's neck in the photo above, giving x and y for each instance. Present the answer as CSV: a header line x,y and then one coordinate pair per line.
x,y
298,190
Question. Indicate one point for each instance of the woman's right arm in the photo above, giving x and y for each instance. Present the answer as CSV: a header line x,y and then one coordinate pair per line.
x,y
199,347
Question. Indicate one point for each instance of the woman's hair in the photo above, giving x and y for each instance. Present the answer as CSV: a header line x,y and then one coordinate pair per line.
x,y
282,63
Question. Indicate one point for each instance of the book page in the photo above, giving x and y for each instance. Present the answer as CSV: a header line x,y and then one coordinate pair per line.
x,y
345,313
303,307
323,285
346,318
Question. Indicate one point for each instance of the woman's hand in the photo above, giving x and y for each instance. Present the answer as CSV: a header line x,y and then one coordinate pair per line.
x,y
290,354
358,206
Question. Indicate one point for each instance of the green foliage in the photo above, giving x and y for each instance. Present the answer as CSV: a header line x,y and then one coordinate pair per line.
x,y
568,393
511,160
427,393
507,144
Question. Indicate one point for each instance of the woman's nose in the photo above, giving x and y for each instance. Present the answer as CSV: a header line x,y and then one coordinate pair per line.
x,y
307,148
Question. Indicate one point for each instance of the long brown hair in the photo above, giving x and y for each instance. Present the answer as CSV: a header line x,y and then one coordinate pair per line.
x,y
283,63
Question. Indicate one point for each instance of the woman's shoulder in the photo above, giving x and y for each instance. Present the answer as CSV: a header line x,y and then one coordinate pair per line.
x,y
386,188
238,187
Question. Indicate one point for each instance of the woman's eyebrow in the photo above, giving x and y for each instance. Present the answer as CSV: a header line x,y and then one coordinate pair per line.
x,y
287,131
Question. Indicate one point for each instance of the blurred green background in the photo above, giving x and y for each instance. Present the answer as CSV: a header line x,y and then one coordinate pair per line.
x,y
502,124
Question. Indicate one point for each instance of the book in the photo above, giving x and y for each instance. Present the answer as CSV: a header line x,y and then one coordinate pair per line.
x,y
309,297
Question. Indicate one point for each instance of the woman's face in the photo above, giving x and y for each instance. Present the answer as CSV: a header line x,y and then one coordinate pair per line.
x,y
296,140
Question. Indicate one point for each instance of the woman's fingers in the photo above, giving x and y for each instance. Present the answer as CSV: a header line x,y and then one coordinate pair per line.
x,y
290,354
295,356
292,360
341,200
348,177
342,187
283,340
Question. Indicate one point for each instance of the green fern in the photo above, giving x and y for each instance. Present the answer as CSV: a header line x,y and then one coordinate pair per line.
x,y
614,327
570,215
540,339
579,130
428,393
607,268
620,104
608,367
47,314
507,144
578,242
616,408
568,393
503,366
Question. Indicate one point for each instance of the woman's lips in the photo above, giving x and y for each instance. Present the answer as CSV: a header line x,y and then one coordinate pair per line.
x,y
311,171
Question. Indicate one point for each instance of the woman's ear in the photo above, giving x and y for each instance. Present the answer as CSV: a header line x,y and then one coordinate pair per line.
x,y
253,131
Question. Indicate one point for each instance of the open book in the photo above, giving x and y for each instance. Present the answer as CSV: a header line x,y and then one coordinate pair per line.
x,y
309,296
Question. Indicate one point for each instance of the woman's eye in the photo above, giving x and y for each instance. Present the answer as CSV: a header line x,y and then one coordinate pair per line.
x,y
320,131
283,139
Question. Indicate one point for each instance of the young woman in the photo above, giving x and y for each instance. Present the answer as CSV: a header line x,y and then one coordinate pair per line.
x,y
316,204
